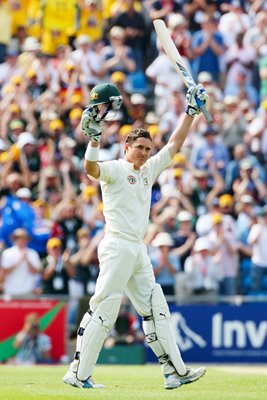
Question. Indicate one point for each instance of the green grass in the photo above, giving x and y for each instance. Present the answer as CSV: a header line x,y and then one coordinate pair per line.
x,y
132,383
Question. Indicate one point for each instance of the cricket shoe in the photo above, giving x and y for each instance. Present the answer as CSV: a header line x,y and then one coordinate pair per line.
x,y
174,381
71,379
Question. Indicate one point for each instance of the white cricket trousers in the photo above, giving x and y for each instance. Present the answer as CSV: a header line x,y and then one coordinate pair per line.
x,y
124,267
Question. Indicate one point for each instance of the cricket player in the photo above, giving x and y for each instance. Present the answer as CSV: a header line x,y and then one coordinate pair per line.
x,y
124,263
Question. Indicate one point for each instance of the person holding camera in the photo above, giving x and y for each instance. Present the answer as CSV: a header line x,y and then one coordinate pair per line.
x,y
34,346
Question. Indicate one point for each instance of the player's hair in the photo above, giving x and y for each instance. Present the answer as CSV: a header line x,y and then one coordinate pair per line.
x,y
137,133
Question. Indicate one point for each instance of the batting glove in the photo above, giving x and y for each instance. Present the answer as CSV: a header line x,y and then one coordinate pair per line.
x,y
196,96
90,126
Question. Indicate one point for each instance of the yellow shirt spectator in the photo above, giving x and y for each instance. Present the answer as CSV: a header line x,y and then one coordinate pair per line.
x,y
5,22
91,21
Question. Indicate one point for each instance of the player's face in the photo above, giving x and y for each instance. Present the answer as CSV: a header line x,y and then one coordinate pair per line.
x,y
138,152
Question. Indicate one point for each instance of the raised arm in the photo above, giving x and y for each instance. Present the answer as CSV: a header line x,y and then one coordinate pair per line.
x,y
181,131
105,99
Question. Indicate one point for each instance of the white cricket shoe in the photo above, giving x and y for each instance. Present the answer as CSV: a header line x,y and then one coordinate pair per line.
x,y
174,381
71,379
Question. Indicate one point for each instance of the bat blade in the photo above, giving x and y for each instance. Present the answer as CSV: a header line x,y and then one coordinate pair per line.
x,y
175,57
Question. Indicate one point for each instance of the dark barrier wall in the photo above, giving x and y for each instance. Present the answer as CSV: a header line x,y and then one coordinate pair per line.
x,y
220,333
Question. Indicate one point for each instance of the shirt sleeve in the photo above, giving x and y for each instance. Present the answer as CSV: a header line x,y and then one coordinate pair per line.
x,y
109,171
159,162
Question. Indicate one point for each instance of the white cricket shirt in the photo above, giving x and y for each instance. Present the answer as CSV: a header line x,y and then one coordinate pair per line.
x,y
126,194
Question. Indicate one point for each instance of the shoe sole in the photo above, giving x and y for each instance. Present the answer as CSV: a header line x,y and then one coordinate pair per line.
x,y
187,382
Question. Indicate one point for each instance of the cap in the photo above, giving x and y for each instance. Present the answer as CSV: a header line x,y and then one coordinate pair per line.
x,y
66,142
246,164
118,77
179,158
162,239
14,108
175,20
31,44
16,79
184,216
82,40
117,32
24,193
137,98
76,98
69,65
56,124
246,199
200,173
53,242
125,130
231,100
51,172
26,138
201,244
19,233
153,129
204,77
177,172
75,113
226,200
31,73
216,218
151,118
16,124
89,191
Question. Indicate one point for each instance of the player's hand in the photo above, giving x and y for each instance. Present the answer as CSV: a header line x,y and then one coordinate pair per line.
x,y
196,96
90,126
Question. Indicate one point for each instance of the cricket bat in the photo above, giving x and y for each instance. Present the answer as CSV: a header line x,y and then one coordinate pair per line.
x,y
173,54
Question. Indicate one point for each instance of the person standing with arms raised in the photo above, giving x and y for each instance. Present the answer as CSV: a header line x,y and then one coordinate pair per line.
x,y
124,263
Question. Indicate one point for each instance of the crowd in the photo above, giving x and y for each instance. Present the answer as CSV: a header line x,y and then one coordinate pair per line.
x,y
208,223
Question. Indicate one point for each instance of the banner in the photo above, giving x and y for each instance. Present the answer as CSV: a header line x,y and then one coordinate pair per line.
x,y
52,315
221,333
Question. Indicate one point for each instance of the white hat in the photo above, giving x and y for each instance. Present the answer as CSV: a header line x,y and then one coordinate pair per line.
x,y
204,76
25,138
202,243
31,44
175,20
137,98
184,216
24,193
3,146
66,142
162,239
246,199
83,39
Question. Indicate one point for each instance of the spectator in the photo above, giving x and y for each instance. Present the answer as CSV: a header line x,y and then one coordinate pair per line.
x,y
116,55
32,345
201,192
136,34
21,266
202,274
224,250
57,269
126,330
211,152
164,262
208,47
257,239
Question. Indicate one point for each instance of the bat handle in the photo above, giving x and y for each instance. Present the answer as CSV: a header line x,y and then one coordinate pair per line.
x,y
204,110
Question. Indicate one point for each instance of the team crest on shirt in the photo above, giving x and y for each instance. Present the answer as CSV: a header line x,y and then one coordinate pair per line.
x,y
131,179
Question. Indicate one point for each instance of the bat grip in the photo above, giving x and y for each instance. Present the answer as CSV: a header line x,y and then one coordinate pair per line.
x,y
204,110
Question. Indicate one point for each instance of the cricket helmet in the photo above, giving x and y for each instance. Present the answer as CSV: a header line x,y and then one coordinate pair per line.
x,y
106,93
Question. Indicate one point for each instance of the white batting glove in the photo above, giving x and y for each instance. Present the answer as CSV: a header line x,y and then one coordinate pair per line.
x,y
196,96
90,126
